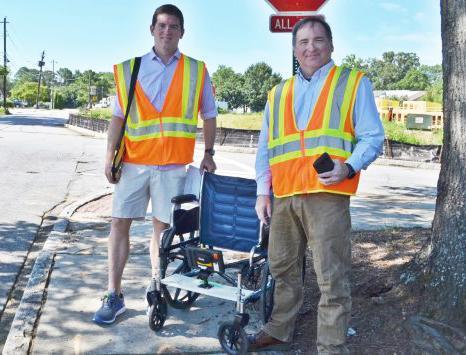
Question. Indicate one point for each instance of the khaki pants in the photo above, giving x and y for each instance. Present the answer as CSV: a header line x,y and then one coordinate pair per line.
x,y
322,221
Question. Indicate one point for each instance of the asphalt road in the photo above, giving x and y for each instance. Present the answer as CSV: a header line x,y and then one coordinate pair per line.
x,y
41,166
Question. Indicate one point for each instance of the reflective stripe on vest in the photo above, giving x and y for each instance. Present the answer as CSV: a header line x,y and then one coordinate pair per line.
x,y
176,120
330,129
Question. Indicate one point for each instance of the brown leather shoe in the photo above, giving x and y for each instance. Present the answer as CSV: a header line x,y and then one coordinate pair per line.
x,y
263,341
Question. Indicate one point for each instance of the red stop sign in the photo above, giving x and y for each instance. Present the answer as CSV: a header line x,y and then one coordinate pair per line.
x,y
296,5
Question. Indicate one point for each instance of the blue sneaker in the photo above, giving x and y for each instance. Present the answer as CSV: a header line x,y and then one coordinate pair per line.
x,y
112,307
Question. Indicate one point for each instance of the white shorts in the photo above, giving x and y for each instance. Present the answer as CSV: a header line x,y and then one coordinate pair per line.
x,y
139,183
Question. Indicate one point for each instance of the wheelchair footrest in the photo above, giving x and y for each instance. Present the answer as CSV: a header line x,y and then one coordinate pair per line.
x,y
218,290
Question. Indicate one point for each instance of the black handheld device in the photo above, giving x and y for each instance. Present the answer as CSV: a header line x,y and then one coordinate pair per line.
x,y
323,163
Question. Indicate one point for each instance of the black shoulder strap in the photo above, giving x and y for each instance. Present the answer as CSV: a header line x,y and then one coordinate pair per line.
x,y
132,85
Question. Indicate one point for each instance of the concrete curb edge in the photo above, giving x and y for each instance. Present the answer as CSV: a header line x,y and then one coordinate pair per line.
x,y
21,333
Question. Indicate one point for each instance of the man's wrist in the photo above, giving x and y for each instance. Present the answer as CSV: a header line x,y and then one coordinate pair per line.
x,y
351,172
209,151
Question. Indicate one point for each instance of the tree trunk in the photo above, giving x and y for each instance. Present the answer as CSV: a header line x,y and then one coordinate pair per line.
x,y
445,293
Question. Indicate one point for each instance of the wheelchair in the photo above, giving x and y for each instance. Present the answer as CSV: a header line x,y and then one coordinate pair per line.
x,y
192,252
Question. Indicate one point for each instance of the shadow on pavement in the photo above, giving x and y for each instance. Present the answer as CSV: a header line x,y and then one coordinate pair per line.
x,y
18,120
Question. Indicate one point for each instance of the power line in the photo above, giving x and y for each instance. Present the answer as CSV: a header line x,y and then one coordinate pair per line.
x,y
41,64
4,62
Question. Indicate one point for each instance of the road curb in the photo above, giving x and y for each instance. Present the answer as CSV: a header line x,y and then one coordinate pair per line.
x,y
21,333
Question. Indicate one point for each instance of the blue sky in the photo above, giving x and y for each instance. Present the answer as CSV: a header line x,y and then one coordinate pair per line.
x,y
85,34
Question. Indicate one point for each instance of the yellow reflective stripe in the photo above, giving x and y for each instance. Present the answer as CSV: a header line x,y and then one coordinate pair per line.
x,y
285,157
186,121
350,86
330,132
359,76
281,115
283,140
309,152
156,121
179,134
122,85
200,73
159,134
314,192
186,78
328,106
312,134
271,112
332,151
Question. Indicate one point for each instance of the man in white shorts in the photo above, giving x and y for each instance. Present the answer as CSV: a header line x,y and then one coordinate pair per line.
x,y
171,90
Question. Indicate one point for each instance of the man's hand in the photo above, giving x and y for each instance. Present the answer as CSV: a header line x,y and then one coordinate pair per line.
x,y
264,208
338,174
207,164
108,174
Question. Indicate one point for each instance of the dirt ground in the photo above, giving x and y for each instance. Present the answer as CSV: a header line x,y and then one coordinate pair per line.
x,y
379,308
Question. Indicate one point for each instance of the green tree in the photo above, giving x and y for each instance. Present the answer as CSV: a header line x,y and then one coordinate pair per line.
x,y
385,73
24,75
65,76
413,80
27,91
353,62
435,92
229,87
258,80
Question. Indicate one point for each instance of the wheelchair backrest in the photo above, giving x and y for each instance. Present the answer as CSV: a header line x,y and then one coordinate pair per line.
x,y
227,216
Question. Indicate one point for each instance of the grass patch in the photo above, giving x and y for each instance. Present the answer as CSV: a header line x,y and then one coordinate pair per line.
x,y
102,113
398,132
2,111
247,121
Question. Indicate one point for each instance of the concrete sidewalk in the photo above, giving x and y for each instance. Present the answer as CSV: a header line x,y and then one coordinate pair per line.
x,y
77,279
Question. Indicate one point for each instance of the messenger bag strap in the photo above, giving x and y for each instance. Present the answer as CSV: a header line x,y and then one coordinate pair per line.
x,y
132,85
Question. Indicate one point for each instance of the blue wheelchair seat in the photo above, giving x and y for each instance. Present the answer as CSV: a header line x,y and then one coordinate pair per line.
x,y
228,218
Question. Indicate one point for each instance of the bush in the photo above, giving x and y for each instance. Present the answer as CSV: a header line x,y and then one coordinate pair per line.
x,y
397,132
102,113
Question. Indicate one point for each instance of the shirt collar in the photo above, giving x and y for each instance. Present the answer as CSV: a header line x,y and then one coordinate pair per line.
x,y
175,56
319,73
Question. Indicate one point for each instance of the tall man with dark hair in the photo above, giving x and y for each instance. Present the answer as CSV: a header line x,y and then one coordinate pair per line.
x,y
170,91
324,108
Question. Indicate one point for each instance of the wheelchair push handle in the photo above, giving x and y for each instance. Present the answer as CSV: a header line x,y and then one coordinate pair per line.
x,y
180,199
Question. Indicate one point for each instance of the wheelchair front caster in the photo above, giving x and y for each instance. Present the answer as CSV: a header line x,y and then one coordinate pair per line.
x,y
157,312
232,338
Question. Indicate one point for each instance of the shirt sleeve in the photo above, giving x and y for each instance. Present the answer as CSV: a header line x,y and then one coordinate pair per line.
x,y
368,128
117,112
208,108
263,174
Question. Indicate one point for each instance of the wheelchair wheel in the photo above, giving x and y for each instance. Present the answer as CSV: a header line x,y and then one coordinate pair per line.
x,y
232,338
176,297
157,314
266,299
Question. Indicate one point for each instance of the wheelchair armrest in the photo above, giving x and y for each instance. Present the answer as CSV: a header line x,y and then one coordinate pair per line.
x,y
184,198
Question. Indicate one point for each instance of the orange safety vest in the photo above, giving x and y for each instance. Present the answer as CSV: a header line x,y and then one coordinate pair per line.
x,y
330,129
168,136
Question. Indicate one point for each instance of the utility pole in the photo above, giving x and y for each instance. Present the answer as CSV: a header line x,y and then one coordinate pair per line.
x,y
41,64
89,104
52,99
4,62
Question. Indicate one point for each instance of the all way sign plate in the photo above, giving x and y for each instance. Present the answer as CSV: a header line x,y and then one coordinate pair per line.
x,y
283,23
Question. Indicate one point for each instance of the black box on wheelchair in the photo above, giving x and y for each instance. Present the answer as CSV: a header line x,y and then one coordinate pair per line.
x,y
209,260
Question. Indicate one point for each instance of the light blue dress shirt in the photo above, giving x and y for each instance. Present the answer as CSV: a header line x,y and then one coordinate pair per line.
x,y
367,125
